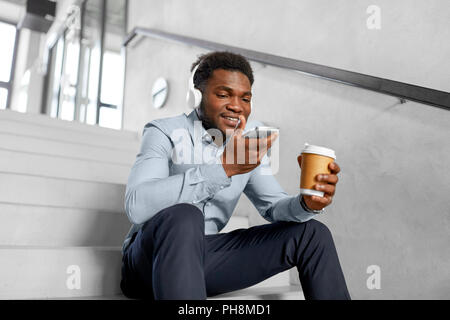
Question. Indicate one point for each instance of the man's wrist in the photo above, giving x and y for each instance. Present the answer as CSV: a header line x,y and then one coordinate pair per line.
x,y
306,208
227,171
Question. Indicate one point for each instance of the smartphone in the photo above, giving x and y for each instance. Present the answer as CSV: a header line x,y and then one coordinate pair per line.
x,y
258,132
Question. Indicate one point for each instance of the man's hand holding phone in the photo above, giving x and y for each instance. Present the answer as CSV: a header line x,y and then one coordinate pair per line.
x,y
243,154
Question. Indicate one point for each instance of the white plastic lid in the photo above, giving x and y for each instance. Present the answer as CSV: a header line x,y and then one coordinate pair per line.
x,y
309,148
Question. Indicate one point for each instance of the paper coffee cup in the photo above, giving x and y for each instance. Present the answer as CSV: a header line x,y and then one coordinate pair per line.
x,y
315,160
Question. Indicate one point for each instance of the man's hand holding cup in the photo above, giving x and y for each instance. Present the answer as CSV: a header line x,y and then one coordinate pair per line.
x,y
319,176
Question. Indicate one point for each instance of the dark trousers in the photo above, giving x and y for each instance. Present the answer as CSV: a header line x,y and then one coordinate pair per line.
x,y
172,258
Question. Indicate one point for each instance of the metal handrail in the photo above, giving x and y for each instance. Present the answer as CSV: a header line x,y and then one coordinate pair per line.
x,y
402,90
6,85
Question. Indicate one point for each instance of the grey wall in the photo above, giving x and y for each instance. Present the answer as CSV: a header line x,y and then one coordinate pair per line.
x,y
392,207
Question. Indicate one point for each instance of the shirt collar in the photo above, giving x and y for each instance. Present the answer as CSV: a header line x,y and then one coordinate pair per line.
x,y
206,137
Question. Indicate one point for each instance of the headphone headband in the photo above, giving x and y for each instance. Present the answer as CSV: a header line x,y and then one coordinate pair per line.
x,y
191,79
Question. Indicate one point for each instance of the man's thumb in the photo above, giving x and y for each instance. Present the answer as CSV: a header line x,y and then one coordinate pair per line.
x,y
241,125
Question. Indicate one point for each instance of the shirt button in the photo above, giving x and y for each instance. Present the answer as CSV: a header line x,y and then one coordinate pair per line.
x,y
208,204
221,187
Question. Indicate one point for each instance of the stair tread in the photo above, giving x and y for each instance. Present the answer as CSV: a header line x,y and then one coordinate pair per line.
x,y
60,134
264,292
100,269
47,121
59,226
27,247
65,168
29,144
267,293
61,192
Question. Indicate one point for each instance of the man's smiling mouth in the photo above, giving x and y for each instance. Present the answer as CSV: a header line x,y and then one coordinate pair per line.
x,y
230,121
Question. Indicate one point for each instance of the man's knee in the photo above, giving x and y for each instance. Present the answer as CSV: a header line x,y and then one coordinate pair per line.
x,y
182,217
183,214
319,232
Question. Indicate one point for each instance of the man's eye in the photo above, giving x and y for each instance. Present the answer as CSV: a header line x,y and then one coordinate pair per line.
x,y
246,100
222,95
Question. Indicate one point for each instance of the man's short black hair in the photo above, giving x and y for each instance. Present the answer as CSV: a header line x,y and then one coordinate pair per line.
x,y
220,60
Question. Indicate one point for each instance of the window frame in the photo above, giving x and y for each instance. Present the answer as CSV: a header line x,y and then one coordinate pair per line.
x,y
10,84
99,104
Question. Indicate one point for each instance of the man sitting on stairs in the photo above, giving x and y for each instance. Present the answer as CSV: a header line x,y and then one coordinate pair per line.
x,y
184,186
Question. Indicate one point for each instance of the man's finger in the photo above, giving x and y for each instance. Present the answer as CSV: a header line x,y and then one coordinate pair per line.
x,y
241,126
327,188
326,199
334,167
330,178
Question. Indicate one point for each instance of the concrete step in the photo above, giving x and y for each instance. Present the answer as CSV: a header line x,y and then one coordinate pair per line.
x,y
61,167
108,297
56,192
32,272
278,280
289,292
46,272
62,134
36,145
45,120
235,222
29,225
24,225
286,292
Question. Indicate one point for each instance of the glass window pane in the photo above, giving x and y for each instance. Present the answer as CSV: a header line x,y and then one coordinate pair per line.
x,y
109,118
112,78
7,37
91,115
67,110
68,103
3,98
71,63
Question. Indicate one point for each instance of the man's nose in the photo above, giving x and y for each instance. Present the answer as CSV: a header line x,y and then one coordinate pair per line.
x,y
235,106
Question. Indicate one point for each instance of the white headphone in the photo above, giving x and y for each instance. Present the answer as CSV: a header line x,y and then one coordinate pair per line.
x,y
194,96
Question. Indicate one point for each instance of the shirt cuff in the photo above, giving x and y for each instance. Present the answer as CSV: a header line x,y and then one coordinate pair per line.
x,y
300,213
215,177
290,209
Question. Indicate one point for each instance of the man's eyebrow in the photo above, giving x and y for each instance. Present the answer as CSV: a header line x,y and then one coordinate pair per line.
x,y
231,90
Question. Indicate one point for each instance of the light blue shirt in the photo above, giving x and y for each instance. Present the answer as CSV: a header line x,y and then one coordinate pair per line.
x,y
158,179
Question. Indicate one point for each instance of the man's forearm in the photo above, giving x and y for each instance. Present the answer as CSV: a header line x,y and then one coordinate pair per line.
x,y
195,185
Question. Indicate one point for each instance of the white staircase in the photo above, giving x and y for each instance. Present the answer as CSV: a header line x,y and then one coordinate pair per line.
x,y
62,188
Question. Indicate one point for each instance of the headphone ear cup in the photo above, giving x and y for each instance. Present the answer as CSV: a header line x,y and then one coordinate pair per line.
x,y
197,97
192,98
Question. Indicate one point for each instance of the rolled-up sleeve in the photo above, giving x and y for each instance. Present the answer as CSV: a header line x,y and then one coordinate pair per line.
x,y
151,189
